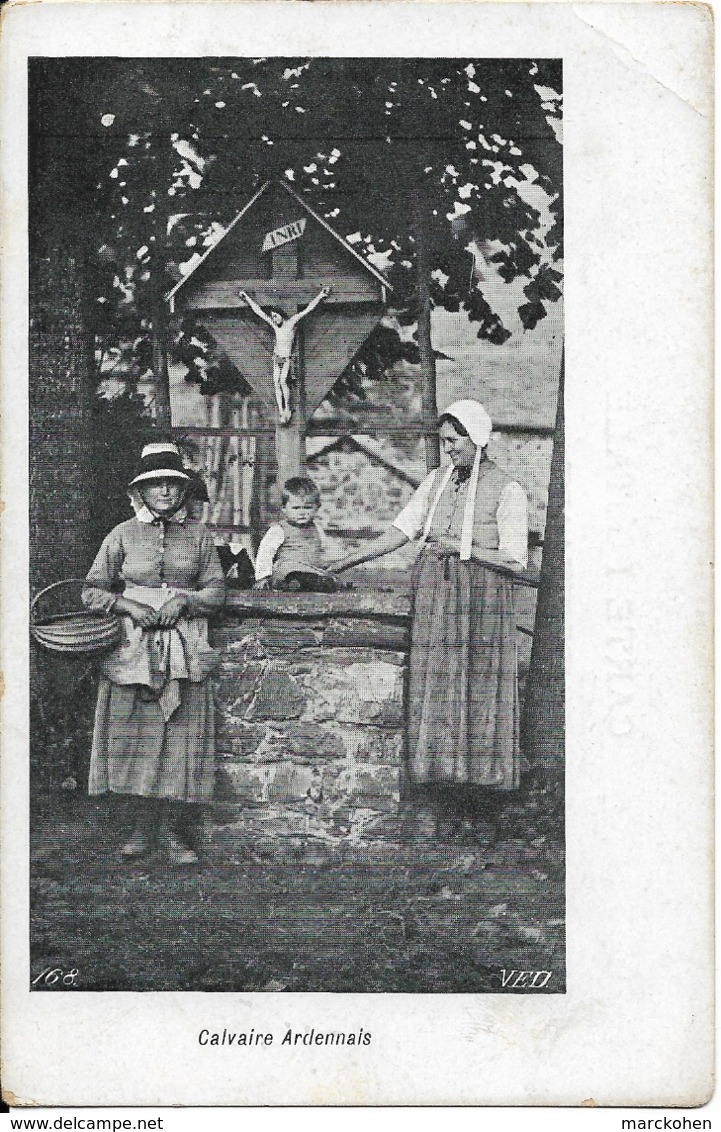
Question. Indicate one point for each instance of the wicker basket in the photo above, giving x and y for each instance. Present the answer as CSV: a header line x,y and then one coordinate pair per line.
x,y
80,631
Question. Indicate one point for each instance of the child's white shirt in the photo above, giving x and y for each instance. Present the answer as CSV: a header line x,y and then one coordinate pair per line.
x,y
271,543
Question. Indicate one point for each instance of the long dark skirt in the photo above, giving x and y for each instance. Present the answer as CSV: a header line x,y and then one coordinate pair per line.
x,y
464,714
136,751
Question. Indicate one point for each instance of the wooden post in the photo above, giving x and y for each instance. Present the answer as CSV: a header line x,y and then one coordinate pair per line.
x,y
290,438
289,444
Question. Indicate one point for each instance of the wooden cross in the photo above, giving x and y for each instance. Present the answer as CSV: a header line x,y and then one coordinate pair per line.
x,y
286,278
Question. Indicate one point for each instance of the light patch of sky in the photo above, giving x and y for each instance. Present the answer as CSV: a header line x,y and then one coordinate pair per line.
x,y
517,381
194,178
173,220
381,260
214,233
538,198
547,93
186,150
187,267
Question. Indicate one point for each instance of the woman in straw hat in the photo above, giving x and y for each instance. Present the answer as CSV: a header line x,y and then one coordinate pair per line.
x,y
463,718
154,735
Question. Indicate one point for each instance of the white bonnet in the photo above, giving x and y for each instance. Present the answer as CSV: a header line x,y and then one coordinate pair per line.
x,y
474,418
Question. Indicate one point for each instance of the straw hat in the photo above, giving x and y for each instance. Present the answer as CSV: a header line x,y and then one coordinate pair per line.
x,y
160,461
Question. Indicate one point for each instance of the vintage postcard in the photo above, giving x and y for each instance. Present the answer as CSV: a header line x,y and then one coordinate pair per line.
x,y
357,387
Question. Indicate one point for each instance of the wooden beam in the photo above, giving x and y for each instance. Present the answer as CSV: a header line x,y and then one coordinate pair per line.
x,y
321,427
354,603
225,294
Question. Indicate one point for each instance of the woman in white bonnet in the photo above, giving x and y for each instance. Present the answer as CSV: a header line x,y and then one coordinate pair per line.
x,y
463,714
154,735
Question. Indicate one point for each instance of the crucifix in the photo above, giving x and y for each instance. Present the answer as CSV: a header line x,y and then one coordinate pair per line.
x,y
290,302
285,333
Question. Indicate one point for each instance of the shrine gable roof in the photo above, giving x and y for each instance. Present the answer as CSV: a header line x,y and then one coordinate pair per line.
x,y
212,250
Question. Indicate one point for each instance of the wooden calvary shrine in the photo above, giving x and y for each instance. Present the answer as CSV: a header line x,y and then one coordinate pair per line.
x,y
290,302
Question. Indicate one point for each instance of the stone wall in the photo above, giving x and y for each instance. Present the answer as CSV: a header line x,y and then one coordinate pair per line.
x,y
359,492
310,698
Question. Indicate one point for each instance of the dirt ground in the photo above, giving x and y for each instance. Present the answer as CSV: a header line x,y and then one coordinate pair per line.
x,y
421,916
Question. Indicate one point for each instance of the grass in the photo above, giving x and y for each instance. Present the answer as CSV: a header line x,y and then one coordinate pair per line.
x,y
427,917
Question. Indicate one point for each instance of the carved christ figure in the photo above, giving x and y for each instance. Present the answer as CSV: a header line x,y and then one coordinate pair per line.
x,y
284,329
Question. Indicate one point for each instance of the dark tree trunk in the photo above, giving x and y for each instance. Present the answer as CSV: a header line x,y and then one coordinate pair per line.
x,y
62,344
544,716
160,364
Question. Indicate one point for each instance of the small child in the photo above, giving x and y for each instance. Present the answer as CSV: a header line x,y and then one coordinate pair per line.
x,y
291,551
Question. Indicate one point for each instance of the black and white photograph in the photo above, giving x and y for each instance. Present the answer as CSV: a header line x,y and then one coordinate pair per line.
x,y
297,671
356,606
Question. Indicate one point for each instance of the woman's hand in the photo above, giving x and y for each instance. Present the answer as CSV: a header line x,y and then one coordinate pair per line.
x,y
168,614
390,540
262,584
143,615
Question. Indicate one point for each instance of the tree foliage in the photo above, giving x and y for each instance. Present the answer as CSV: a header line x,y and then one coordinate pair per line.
x,y
391,151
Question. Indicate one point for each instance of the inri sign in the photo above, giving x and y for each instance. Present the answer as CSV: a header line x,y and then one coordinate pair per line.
x,y
283,235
